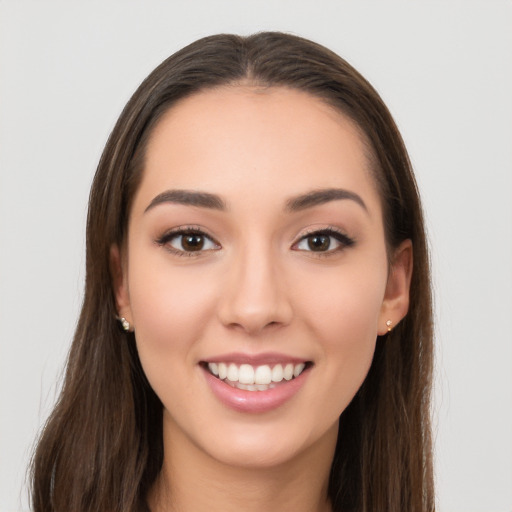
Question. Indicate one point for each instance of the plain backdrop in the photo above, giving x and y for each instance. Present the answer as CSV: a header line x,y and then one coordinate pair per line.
x,y
444,69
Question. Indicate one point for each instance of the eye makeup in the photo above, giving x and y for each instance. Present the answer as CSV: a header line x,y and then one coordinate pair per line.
x,y
193,241
324,242
188,241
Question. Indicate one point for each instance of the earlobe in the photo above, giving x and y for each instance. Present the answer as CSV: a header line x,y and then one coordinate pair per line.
x,y
119,284
396,299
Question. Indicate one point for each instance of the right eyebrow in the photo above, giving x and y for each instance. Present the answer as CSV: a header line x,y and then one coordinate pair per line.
x,y
318,197
188,197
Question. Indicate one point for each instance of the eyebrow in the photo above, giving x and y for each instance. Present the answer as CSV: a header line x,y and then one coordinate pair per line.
x,y
294,204
188,197
318,197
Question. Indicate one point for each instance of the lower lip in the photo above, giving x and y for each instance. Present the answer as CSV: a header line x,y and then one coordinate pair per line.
x,y
255,401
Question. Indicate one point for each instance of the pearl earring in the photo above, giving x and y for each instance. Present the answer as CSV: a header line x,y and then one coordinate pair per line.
x,y
389,323
125,324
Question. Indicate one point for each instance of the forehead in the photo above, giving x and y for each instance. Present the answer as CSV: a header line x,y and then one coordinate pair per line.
x,y
261,138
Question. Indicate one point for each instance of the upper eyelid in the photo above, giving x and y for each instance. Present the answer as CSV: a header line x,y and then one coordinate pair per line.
x,y
342,237
328,230
182,230
179,230
165,241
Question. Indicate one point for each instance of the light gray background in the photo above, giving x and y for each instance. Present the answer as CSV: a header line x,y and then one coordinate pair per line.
x,y
445,70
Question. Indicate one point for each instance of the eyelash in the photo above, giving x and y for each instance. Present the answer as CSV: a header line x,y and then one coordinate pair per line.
x,y
344,241
167,238
341,238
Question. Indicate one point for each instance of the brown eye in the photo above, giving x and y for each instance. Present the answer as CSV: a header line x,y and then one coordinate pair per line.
x,y
188,242
319,242
192,242
325,241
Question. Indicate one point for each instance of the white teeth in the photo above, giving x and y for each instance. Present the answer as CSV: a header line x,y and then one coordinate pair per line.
x,y
277,373
214,368
260,378
251,387
297,370
233,372
288,371
223,371
246,374
263,375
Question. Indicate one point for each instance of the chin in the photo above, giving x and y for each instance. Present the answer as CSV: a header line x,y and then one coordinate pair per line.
x,y
268,447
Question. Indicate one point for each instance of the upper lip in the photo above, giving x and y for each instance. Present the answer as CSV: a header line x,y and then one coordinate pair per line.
x,y
255,359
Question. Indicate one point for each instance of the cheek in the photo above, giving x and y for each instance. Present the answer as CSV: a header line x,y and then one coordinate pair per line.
x,y
346,304
170,308
344,320
354,312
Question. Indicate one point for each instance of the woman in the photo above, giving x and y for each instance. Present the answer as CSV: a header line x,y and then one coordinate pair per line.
x,y
255,227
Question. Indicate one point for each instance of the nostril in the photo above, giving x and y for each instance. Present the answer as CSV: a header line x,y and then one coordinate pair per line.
x,y
254,302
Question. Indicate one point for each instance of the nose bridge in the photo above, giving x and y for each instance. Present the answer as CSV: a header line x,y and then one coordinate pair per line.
x,y
255,296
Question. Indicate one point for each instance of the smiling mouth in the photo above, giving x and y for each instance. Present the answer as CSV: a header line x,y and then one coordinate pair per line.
x,y
256,378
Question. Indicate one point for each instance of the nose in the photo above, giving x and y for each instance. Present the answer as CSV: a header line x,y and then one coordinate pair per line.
x,y
255,296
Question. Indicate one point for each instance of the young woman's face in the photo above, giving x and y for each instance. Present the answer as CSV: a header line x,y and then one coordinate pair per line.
x,y
255,273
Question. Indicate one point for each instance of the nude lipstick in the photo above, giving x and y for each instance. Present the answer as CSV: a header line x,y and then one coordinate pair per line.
x,y
255,384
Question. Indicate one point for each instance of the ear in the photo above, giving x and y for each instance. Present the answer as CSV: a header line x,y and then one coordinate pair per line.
x,y
396,298
120,283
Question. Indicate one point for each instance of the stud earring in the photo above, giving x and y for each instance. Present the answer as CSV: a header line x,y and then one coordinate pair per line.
x,y
125,324
389,323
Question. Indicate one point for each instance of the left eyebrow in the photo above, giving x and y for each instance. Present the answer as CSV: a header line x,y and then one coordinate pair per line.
x,y
318,197
188,197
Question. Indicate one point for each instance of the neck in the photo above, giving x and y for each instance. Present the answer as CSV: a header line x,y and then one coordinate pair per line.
x,y
191,480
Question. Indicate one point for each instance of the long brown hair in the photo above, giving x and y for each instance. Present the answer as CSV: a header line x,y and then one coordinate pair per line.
x,y
102,449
